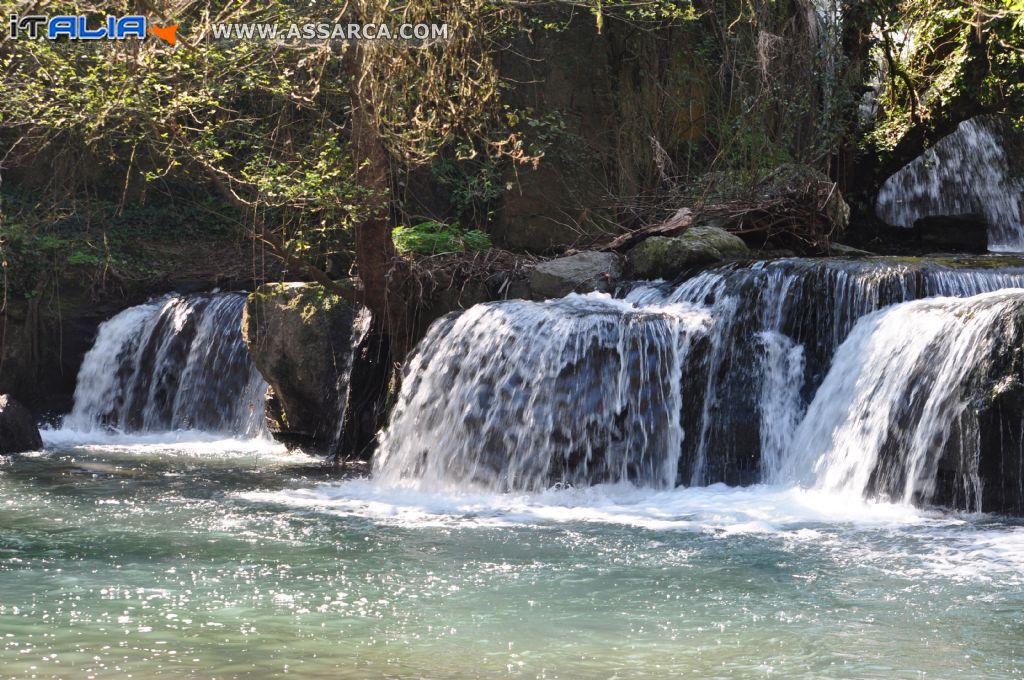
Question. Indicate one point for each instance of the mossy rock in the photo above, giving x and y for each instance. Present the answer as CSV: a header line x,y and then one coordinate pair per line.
x,y
665,257
299,336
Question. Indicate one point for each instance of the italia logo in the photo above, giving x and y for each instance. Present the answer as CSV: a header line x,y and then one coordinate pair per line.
x,y
77,27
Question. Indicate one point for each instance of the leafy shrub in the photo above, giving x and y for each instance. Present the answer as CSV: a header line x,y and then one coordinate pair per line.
x,y
474,239
474,187
434,238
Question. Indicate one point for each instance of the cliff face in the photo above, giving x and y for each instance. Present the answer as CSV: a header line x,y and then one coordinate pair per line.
x,y
18,431
611,120
42,350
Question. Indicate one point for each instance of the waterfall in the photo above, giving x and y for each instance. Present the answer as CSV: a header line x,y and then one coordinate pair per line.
x,y
899,387
512,395
966,172
778,325
714,380
170,364
780,406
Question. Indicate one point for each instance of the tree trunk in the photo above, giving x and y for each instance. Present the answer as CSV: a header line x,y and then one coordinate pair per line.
x,y
855,43
374,361
374,250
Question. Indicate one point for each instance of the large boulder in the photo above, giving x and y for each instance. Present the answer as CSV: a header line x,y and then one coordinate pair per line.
x,y
300,337
18,431
578,273
665,257
975,173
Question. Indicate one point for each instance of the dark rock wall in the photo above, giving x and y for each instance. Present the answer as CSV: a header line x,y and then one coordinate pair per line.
x,y
621,95
18,431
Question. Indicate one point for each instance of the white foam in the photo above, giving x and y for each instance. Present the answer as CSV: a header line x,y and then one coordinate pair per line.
x,y
894,539
180,442
984,554
717,508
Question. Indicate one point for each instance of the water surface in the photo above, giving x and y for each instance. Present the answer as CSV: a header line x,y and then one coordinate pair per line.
x,y
232,559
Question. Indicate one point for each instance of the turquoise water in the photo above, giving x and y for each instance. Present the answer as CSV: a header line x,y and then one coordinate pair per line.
x,y
235,560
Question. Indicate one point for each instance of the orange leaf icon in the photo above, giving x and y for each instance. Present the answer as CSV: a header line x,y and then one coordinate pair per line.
x,y
166,34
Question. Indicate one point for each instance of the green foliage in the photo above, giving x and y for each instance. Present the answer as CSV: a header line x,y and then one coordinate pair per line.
x,y
476,240
476,179
128,122
653,12
474,187
781,99
126,119
945,59
647,14
536,132
100,238
434,238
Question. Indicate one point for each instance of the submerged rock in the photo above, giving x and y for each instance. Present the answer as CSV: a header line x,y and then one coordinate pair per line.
x,y
300,338
664,257
18,431
578,273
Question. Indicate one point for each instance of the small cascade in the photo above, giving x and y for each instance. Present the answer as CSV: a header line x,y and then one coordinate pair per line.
x,y
777,326
966,172
516,394
896,400
709,381
780,406
171,364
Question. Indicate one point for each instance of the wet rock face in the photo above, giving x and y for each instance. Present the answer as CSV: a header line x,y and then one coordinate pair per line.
x,y
999,416
957,233
1001,461
18,431
986,443
974,171
664,257
580,273
300,338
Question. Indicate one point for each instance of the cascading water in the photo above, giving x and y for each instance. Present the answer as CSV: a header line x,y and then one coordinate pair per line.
x,y
777,325
515,394
174,363
709,382
966,172
898,388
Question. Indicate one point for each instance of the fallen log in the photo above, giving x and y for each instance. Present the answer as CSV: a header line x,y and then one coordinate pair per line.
x,y
674,225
